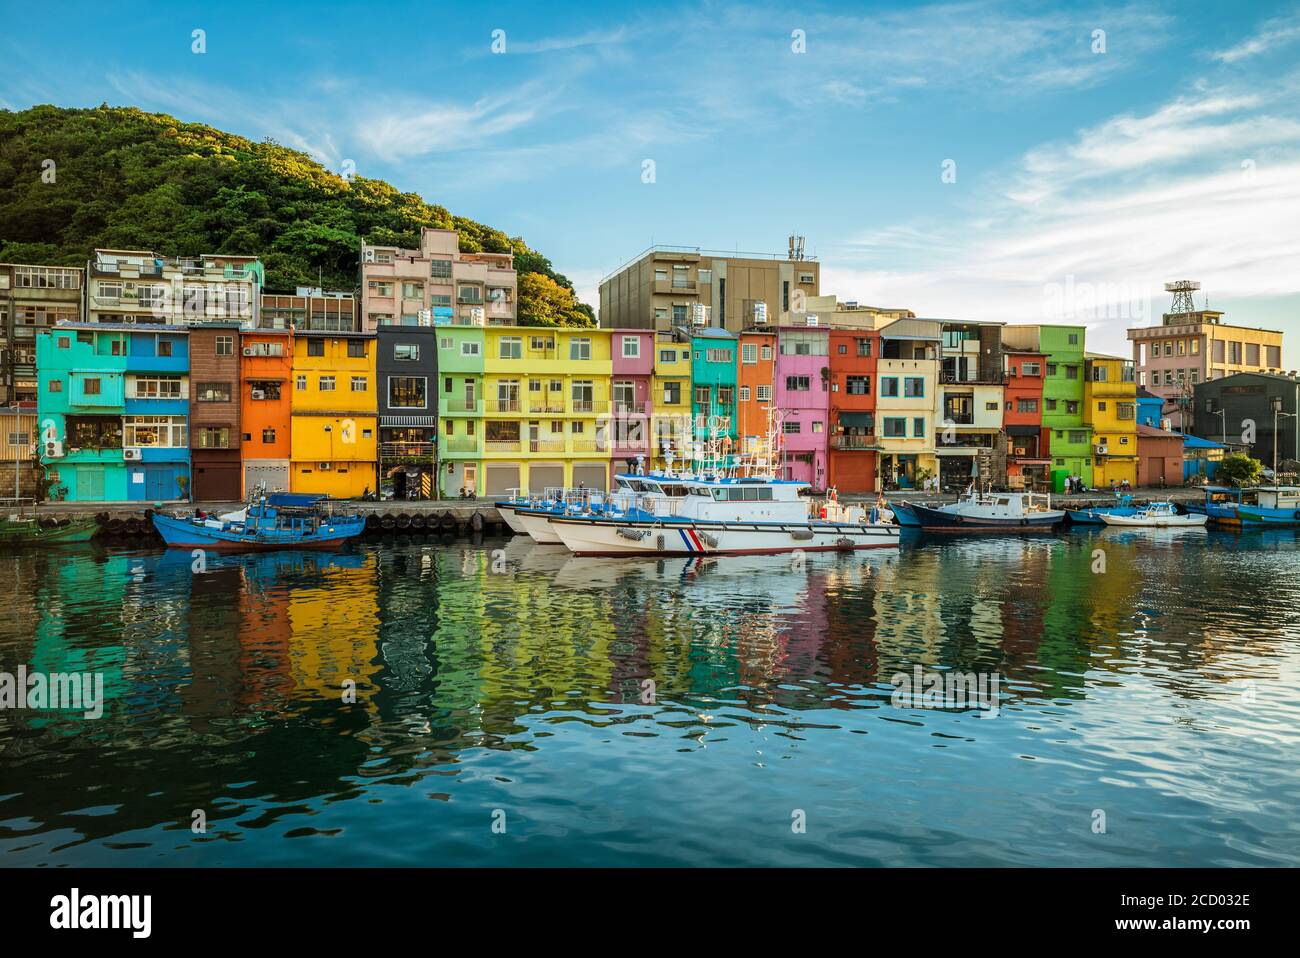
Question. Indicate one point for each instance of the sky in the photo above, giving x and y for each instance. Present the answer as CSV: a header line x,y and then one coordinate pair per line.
x,y
1019,162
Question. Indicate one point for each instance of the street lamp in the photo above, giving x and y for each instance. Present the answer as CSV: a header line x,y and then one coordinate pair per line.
x,y
1276,402
1223,417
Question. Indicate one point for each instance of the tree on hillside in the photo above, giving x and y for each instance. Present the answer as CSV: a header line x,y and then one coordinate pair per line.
x,y
544,302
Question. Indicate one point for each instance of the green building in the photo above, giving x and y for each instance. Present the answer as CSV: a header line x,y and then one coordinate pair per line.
x,y
460,407
713,386
1069,441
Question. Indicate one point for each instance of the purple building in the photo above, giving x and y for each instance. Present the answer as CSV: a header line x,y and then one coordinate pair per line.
x,y
633,354
802,396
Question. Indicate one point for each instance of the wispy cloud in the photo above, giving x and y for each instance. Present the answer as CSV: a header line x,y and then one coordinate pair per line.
x,y
1275,33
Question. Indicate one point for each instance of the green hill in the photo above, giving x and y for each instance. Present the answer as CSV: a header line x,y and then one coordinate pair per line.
x,y
126,179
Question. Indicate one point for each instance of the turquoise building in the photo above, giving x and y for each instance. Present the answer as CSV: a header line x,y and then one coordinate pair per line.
x,y
113,411
713,383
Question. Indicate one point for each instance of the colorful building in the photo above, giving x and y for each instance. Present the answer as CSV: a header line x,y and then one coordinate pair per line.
x,y
969,443
113,408
713,389
32,299
755,398
632,400
1110,413
215,402
1160,457
907,375
1069,440
1150,409
137,286
266,391
334,413
851,452
407,367
803,395
1028,464
460,407
547,406
672,423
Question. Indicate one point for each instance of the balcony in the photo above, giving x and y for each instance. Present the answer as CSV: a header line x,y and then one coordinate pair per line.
x,y
504,405
854,443
538,406
502,445
631,408
460,444
958,418
407,450
988,377
584,445
546,445
461,404
584,405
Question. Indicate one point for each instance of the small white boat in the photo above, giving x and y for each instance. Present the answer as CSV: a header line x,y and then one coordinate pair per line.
x,y
1158,515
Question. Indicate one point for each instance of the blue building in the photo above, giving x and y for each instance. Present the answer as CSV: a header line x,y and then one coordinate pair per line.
x,y
1201,457
1149,407
113,406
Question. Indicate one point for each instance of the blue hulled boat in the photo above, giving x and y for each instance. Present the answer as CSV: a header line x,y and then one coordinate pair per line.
x,y
1092,515
1276,506
282,520
1222,503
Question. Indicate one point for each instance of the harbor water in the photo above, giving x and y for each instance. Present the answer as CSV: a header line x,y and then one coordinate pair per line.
x,y
441,702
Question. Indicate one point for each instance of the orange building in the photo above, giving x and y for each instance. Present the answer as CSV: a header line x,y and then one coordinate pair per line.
x,y
851,458
265,390
1028,442
755,382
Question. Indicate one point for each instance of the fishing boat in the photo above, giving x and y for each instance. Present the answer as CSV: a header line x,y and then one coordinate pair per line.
x,y
1158,515
1093,515
991,512
28,529
1222,503
1274,506
720,516
904,516
282,520
506,509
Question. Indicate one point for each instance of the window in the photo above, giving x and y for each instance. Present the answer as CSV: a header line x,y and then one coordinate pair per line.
x,y
668,355
213,437
672,393
818,426
1078,436
413,291
440,269
261,389
380,288
763,394
265,349
704,276
91,387
511,347
164,347
56,385
1071,407
1030,369
1099,373
583,391
858,385
767,353
661,274
406,352
749,353
1126,410
718,355
315,347
469,349
918,426
268,435
213,392
792,427
1073,339
1071,372
580,347
1026,405
631,347
798,384
357,348
744,394
360,384
156,387
913,387
895,428
1051,369
702,395
327,384
863,346
225,345
48,277
166,431
889,386
725,395
407,392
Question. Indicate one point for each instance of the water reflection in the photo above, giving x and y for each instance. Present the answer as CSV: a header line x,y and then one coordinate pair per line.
x,y
289,695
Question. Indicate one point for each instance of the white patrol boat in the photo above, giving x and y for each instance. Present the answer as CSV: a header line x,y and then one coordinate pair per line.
x,y
723,516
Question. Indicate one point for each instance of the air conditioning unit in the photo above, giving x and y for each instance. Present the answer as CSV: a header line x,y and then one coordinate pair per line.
x,y
53,449
1102,450
259,394
1020,450
367,255
811,320
132,455
249,351
129,320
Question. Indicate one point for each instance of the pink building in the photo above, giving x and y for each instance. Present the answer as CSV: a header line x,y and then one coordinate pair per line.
x,y
802,396
631,403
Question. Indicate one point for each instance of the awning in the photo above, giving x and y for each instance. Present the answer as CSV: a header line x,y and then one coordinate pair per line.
x,y
1022,430
857,420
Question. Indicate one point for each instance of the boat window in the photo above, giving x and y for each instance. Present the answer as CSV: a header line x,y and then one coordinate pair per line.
x,y
720,494
765,495
1004,502
751,494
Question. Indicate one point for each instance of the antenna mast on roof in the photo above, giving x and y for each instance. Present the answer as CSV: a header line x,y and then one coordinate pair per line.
x,y
1184,300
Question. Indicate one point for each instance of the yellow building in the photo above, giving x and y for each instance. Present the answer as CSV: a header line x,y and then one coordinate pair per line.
x,y
1110,408
907,383
334,413
546,404
671,407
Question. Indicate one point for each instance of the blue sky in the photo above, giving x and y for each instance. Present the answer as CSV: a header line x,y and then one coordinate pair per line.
x,y
1086,176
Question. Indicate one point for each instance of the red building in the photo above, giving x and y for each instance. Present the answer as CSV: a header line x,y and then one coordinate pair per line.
x,y
1028,449
1160,457
214,411
851,456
